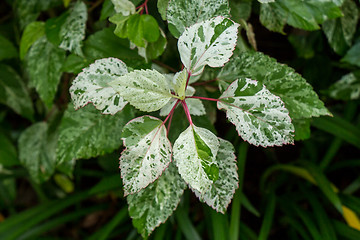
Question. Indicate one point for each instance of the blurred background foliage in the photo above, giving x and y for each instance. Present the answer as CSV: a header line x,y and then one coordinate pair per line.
x,y
59,167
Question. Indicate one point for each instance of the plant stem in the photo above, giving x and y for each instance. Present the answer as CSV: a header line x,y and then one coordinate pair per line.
x,y
186,111
171,112
187,80
205,98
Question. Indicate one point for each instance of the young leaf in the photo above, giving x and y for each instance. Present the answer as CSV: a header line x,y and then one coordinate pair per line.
x,y
32,32
91,85
125,7
182,14
298,96
120,21
259,116
348,87
153,50
146,90
147,153
44,62
207,43
13,92
340,31
179,83
73,30
195,156
222,191
142,29
153,205
87,133
36,152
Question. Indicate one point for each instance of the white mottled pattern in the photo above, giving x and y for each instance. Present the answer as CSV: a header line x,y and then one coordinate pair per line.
x,y
210,42
348,87
148,90
260,117
187,158
147,153
91,85
125,7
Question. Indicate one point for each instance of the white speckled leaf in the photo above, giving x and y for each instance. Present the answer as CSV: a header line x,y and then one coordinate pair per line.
x,y
179,82
207,43
195,106
153,205
91,85
260,117
147,153
347,88
147,90
73,30
194,154
125,7
222,191
183,13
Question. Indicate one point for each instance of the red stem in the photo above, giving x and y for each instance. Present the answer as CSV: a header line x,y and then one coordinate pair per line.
x,y
186,111
171,112
187,80
169,124
205,98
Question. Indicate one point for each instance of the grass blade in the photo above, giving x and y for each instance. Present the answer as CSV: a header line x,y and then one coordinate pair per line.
x,y
268,217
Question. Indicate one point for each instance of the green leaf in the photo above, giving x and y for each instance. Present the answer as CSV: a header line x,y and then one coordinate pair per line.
x,y
121,23
195,156
107,10
8,154
273,17
302,129
73,30
207,43
91,85
181,14
37,151
340,31
44,63
125,7
147,154
222,191
281,80
155,49
153,205
353,55
53,27
142,29
7,49
146,90
347,88
162,6
240,9
13,92
32,32
87,133
260,117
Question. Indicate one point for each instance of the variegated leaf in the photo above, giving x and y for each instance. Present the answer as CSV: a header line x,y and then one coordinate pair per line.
x,y
194,154
125,7
147,153
195,106
183,13
222,191
147,90
260,117
91,85
179,83
73,30
347,88
153,205
207,43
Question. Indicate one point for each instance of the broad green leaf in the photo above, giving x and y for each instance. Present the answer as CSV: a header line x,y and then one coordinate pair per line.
x,y
13,92
91,85
181,14
281,80
207,43
107,10
32,32
307,14
162,6
37,151
7,49
147,154
195,156
142,29
146,90
87,133
353,55
73,30
222,191
44,62
8,154
340,31
125,7
121,23
153,205
153,50
347,88
260,117
302,129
